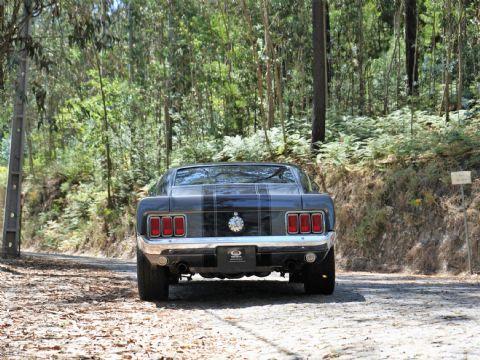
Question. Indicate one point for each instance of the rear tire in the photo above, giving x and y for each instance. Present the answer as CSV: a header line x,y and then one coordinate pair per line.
x,y
319,278
152,281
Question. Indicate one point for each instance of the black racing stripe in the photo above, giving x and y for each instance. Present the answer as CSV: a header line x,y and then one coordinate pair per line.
x,y
259,211
215,211
208,211
270,215
265,208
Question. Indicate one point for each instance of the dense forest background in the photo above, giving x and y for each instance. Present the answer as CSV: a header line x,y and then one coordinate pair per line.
x,y
121,90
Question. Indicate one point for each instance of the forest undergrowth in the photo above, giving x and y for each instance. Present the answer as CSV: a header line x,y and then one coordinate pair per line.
x,y
389,176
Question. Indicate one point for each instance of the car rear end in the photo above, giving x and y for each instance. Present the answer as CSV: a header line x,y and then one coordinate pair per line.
x,y
230,230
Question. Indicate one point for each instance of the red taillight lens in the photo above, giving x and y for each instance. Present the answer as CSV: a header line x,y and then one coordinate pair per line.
x,y
305,223
179,224
317,223
167,226
154,226
292,223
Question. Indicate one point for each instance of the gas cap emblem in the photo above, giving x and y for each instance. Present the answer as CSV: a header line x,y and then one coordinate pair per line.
x,y
236,223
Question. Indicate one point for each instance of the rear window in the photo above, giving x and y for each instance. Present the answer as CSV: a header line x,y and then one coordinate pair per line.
x,y
234,174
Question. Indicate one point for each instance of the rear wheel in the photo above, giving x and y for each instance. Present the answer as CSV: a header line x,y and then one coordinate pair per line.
x,y
319,278
152,281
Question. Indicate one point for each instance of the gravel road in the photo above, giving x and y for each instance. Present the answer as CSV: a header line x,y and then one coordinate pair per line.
x,y
79,307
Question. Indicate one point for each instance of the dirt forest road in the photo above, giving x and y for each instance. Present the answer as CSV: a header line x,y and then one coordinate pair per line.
x,y
76,307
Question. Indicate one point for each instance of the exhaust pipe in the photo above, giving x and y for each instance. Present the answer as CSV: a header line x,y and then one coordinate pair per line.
x,y
182,268
310,257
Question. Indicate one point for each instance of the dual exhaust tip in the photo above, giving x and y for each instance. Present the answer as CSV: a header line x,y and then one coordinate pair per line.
x,y
309,259
182,268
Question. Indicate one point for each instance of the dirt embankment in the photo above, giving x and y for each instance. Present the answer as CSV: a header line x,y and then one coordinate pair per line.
x,y
404,217
393,216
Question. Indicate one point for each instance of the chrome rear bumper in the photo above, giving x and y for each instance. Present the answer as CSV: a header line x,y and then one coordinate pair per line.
x,y
298,242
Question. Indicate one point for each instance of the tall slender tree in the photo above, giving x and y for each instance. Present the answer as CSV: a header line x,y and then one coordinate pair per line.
x,y
269,70
2,56
168,87
360,57
446,69
319,73
411,52
461,25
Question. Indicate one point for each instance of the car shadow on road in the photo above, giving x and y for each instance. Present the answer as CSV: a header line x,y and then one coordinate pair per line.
x,y
219,294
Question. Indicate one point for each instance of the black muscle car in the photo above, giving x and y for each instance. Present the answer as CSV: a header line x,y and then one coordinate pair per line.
x,y
230,220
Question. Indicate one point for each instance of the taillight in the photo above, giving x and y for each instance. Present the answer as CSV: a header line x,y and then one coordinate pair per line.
x,y
167,226
155,226
317,223
179,225
292,223
305,223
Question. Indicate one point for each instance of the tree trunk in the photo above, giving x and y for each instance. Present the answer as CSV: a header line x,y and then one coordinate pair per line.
x,y
329,48
2,57
433,91
258,67
398,79
396,34
459,54
168,87
105,132
269,78
319,73
131,79
360,58
278,88
410,46
446,69
106,139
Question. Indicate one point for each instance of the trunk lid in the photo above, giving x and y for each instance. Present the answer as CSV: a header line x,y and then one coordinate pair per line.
x,y
209,208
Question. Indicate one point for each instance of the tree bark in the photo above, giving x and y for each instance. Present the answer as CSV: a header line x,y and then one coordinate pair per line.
x,y
278,88
269,78
168,88
329,47
433,90
131,79
410,46
446,69
319,73
396,34
2,57
258,67
106,139
105,132
360,58
459,54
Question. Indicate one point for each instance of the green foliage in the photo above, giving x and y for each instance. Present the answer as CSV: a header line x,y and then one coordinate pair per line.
x,y
105,84
399,135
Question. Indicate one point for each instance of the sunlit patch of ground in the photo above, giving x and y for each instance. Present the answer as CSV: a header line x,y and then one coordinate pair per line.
x,y
52,308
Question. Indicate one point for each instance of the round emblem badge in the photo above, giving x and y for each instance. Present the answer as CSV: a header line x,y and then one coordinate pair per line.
x,y
236,223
